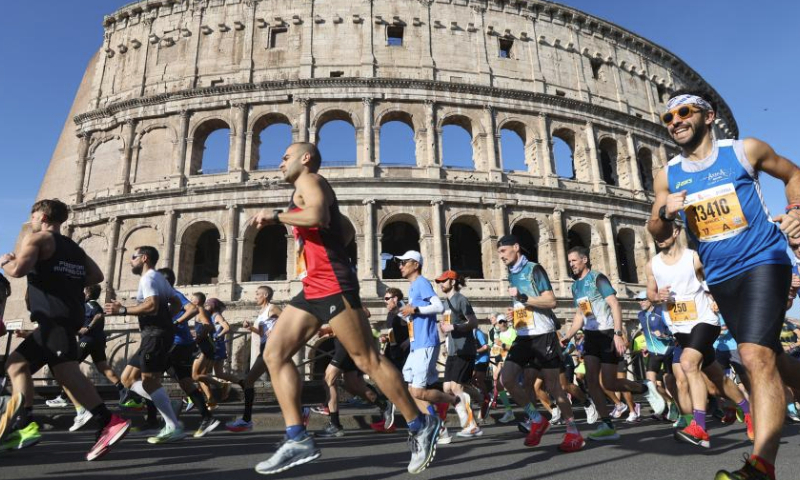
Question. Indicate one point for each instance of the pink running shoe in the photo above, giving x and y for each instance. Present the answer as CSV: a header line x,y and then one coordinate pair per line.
x,y
112,433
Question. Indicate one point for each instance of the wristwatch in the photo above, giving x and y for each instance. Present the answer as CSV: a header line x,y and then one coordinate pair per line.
x,y
275,217
123,310
619,333
662,214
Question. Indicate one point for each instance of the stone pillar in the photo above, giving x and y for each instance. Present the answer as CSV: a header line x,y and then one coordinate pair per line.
x,y
229,273
369,136
111,259
83,152
500,219
240,111
432,159
663,155
369,237
439,263
178,176
300,134
636,177
543,151
613,266
128,135
493,159
591,154
561,250
169,239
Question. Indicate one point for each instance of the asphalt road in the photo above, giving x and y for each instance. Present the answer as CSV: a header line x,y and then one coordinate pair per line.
x,y
645,451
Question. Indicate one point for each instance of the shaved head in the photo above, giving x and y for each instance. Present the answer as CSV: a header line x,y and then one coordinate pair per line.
x,y
302,148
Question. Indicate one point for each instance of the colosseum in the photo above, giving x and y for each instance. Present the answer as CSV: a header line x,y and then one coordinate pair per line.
x,y
171,73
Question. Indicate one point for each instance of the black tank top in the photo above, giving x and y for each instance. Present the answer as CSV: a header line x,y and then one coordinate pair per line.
x,y
55,285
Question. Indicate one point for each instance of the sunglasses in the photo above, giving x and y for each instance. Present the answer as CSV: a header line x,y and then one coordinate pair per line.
x,y
683,112
386,299
136,255
403,262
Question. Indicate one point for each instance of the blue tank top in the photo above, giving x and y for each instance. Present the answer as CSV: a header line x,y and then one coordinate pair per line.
x,y
183,335
725,213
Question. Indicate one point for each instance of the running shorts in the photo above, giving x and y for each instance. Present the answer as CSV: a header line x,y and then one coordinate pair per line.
x,y
600,344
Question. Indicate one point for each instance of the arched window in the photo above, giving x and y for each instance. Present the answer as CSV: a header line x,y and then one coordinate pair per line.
x,y
103,166
199,262
457,143
138,238
336,140
527,234
580,235
626,258
564,153
512,148
397,238
269,255
465,250
645,161
150,165
351,247
608,161
396,145
272,134
211,148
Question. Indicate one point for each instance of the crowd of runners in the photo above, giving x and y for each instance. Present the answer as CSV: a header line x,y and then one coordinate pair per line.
x,y
712,335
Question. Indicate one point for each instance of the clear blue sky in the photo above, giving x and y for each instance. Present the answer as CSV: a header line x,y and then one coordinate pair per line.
x,y
747,51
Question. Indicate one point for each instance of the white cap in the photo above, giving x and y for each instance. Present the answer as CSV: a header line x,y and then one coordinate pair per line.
x,y
641,295
411,255
501,318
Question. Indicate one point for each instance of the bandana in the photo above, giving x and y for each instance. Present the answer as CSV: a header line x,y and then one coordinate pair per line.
x,y
681,100
523,260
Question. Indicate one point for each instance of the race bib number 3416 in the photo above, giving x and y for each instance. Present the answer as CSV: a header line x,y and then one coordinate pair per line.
x,y
715,214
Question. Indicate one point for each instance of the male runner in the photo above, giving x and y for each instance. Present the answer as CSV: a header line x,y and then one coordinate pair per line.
x,y
57,270
536,349
397,346
329,295
157,303
600,315
674,279
657,337
713,186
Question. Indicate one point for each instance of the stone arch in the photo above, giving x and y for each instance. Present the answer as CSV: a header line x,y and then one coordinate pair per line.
x,y
399,233
257,127
564,165
102,168
327,114
465,245
527,231
581,232
269,260
248,234
137,235
447,146
96,247
199,134
405,118
528,145
608,154
644,159
337,114
200,253
625,244
411,217
147,162
349,231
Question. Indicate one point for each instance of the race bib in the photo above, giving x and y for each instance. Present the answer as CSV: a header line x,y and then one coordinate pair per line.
x,y
496,350
523,318
446,317
585,307
683,311
715,214
411,330
300,269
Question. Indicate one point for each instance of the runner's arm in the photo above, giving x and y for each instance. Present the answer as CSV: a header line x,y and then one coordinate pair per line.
x,y
315,204
616,311
436,306
658,228
189,312
577,324
17,266
652,286
763,158
226,327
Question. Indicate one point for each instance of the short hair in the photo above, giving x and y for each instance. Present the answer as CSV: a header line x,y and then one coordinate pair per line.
x,y
395,292
269,290
94,291
151,252
697,93
201,296
310,148
461,281
582,251
169,274
54,209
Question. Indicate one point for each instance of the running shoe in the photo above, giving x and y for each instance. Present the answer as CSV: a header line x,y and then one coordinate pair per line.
x,y
168,435
739,415
466,405
22,438
15,403
132,404
305,413
444,437
211,404
330,431
635,415
603,433
591,413
748,472
147,429
290,454
619,409
57,402
748,420
673,413
423,444
681,422
555,416
206,426
380,427
321,410
572,443
654,398
188,404
388,416
507,417
81,419
694,434
537,430
238,426
728,416
484,407
791,412
524,427
471,431
112,433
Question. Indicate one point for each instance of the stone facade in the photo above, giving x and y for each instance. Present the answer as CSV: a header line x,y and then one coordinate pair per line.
x,y
170,72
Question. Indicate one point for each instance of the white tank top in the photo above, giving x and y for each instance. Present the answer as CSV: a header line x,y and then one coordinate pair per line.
x,y
691,303
263,319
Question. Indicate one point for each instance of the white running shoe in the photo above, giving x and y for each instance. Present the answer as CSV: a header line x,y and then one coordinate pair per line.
x,y
444,437
654,398
635,415
471,431
507,417
388,416
462,409
57,402
619,409
81,419
591,413
555,416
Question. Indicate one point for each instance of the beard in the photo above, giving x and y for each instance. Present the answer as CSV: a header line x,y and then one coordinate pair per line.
x,y
137,269
699,132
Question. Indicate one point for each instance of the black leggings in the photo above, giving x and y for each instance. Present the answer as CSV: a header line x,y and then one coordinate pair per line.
x,y
753,304
701,338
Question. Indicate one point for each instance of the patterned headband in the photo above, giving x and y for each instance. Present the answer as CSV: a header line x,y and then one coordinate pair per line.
x,y
681,100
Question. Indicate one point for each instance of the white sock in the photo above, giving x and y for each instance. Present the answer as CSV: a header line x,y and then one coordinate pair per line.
x,y
161,401
139,388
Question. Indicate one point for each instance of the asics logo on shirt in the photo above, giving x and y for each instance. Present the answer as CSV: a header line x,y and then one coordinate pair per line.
x,y
680,184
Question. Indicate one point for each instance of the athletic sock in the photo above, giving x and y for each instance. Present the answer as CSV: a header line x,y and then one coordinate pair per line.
x,y
138,388
442,409
197,398
152,412
161,400
687,418
762,465
335,419
249,397
745,406
102,414
293,432
533,414
607,422
24,418
571,427
504,399
699,417
432,410
416,425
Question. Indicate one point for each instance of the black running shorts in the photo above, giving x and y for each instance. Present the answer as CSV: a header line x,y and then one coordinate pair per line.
x,y
96,347
600,344
753,304
536,351
181,358
154,352
341,359
655,362
326,308
52,343
701,338
459,369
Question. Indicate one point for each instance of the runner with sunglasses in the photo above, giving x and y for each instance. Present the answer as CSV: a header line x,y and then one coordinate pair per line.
x,y
713,186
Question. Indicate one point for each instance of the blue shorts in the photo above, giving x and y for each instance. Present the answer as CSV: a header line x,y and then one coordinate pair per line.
x,y
420,368
221,352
